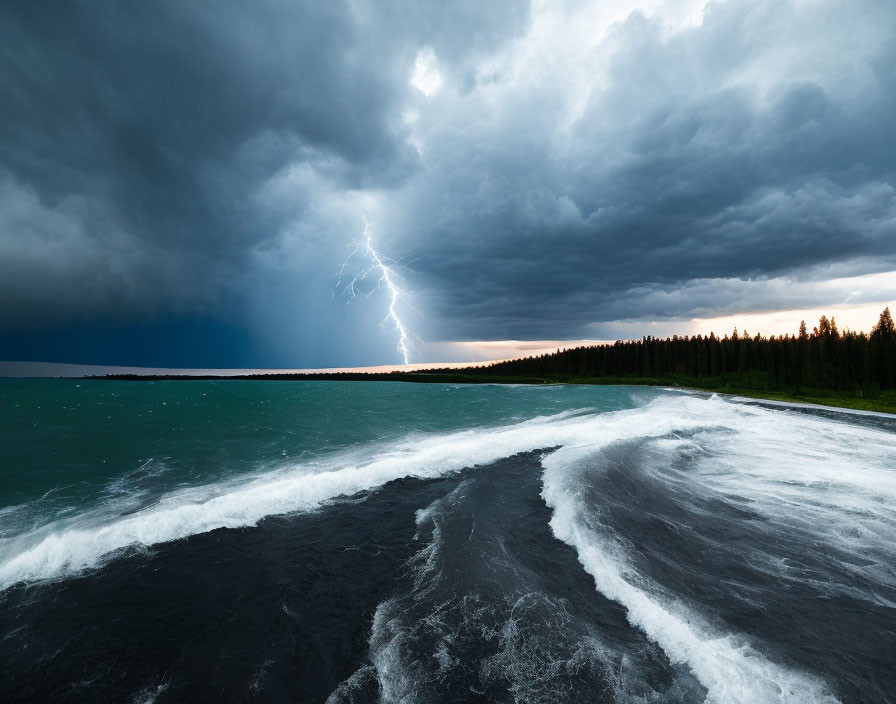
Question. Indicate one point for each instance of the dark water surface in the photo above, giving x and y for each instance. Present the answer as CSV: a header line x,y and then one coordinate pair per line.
x,y
338,542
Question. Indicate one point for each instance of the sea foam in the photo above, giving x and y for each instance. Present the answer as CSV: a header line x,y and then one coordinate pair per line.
x,y
828,480
68,546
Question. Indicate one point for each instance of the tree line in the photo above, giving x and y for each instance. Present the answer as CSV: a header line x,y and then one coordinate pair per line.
x,y
846,363
824,358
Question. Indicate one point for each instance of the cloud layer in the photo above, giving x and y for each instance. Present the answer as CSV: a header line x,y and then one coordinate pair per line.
x,y
542,170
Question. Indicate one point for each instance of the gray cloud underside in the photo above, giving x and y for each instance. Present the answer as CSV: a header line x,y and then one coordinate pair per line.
x,y
169,156
670,175
135,138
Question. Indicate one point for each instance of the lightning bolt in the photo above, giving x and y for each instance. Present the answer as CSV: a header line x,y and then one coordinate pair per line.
x,y
387,279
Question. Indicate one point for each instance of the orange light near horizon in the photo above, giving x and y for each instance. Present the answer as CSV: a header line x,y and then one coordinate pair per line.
x,y
858,318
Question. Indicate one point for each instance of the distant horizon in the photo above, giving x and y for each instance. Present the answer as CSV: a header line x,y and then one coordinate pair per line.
x,y
26,369
522,349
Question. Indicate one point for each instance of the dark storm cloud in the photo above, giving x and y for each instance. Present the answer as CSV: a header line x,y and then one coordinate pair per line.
x,y
135,138
679,170
551,174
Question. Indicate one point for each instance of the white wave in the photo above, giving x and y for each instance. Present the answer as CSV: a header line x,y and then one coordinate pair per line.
x,y
826,479
355,688
730,669
416,637
149,694
806,474
811,406
68,546
536,649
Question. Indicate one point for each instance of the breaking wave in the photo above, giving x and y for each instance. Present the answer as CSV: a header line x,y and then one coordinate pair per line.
x,y
769,501
67,546
701,521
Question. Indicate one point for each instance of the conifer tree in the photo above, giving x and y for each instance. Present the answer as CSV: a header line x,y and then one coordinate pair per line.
x,y
825,359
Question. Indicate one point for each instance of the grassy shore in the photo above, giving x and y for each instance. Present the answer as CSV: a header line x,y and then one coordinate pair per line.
x,y
882,402
880,405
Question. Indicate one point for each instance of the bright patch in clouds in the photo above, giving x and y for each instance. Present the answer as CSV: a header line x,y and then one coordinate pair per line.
x,y
491,350
426,77
859,318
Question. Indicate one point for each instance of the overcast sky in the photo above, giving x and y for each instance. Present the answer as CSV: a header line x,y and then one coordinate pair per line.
x,y
180,182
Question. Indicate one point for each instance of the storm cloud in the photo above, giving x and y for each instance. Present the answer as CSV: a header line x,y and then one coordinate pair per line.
x,y
541,170
756,144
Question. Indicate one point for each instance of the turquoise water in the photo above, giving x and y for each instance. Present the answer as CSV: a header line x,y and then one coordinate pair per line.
x,y
351,541
66,445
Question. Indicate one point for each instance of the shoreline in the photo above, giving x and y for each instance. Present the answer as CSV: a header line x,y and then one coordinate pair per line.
x,y
787,401
856,405
841,403
816,398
